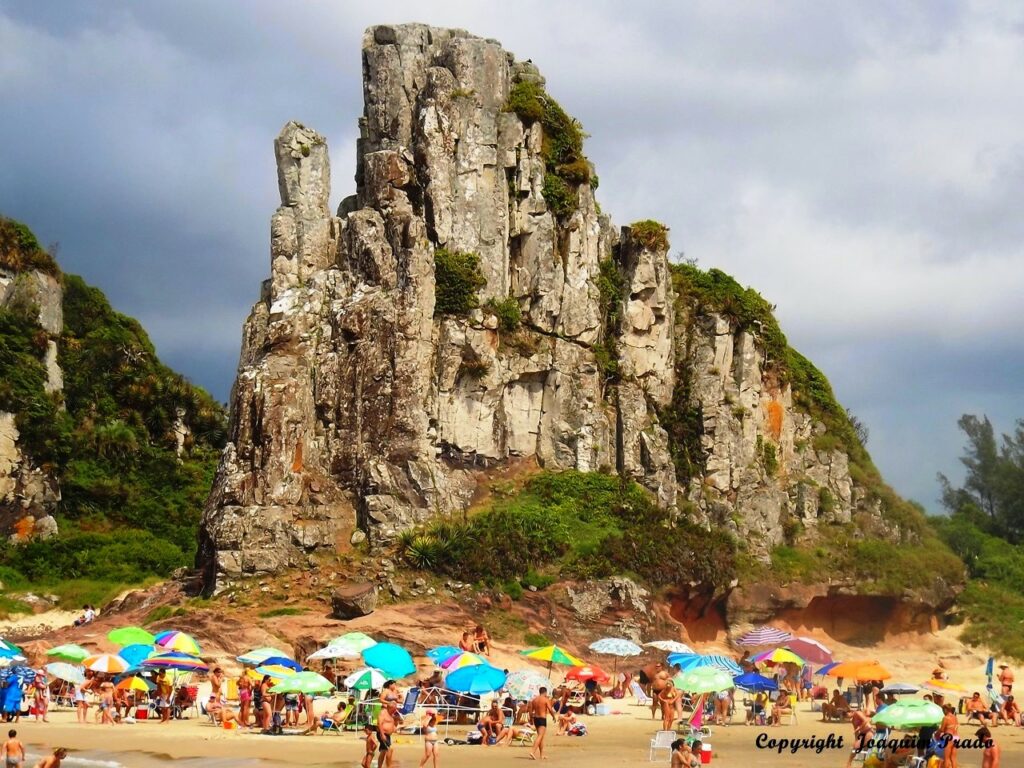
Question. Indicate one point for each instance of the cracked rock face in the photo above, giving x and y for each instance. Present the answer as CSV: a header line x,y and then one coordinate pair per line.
x,y
356,409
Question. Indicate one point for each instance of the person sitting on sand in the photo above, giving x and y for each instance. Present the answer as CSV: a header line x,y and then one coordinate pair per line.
x,y
838,708
1009,712
481,640
54,760
566,719
976,709
466,644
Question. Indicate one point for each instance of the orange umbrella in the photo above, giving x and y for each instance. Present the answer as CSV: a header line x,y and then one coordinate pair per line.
x,y
860,670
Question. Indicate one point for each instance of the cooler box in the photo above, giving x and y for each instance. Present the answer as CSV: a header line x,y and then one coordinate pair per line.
x,y
602,709
142,713
705,754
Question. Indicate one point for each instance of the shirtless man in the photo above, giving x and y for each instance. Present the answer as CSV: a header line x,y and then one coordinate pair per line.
x,y
1006,679
990,752
659,679
493,723
54,760
1009,712
386,726
540,710
977,709
217,683
13,751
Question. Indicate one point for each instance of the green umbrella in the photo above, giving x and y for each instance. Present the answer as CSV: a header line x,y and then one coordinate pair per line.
x,y
130,636
910,714
69,652
354,641
703,680
304,682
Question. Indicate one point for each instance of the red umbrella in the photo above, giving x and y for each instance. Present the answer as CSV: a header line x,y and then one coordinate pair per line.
x,y
588,672
809,649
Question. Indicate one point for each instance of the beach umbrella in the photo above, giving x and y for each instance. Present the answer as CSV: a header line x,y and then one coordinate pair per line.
x,y
332,652
764,635
390,659
910,714
779,656
69,652
276,671
669,646
107,663
751,681
8,646
131,636
476,679
616,646
305,683
587,672
10,653
552,654
357,641
365,679
173,640
442,652
179,661
282,661
460,660
827,668
703,680
257,655
688,661
64,671
524,684
135,684
944,687
860,670
136,654
900,689
809,649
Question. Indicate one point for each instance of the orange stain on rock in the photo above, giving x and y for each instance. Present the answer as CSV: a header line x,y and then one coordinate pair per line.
x,y
775,413
297,461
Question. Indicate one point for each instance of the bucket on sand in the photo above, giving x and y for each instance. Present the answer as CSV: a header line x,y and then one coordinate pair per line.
x,y
142,713
705,754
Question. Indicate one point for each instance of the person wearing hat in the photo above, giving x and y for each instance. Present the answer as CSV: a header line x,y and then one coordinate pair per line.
x,y
1006,679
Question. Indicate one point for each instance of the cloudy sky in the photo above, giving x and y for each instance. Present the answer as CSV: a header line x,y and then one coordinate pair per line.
x,y
860,164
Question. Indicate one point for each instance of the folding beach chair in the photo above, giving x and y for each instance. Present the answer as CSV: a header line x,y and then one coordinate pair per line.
x,y
409,705
661,740
638,693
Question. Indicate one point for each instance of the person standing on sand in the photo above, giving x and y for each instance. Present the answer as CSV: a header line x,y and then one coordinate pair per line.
x,y
668,698
990,751
540,709
429,738
13,751
371,746
948,730
1006,679
386,726
54,760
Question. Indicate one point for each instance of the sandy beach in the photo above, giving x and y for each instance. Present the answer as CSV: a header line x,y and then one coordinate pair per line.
x,y
614,740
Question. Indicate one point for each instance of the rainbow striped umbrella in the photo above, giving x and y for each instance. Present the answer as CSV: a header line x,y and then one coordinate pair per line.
x,y
174,640
180,661
460,660
107,663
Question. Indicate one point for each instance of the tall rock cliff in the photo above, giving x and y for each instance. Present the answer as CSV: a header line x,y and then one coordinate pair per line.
x,y
470,304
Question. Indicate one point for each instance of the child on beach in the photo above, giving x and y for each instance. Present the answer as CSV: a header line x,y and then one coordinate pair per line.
x,y
13,751
371,745
54,760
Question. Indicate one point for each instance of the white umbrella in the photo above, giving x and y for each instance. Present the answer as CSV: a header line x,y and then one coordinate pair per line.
x,y
616,646
670,646
366,678
333,652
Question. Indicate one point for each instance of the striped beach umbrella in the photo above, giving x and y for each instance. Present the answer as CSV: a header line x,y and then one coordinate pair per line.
x,y
174,640
809,649
257,656
108,663
460,660
365,679
778,656
764,635
688,661
182,662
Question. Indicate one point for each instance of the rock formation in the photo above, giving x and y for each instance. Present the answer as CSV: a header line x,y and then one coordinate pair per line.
x,y
359,411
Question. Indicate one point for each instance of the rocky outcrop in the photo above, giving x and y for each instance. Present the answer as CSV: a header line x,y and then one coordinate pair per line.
x,y
353,600
28,496
357,408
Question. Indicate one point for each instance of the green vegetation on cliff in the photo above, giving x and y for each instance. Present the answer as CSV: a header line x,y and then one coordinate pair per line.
x,y
577,525
457,278
130,505
562,149
20,250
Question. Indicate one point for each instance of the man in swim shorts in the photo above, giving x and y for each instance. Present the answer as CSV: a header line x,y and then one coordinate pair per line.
x,y
540,709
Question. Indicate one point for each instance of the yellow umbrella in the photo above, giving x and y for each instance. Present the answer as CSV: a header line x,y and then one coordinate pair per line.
x,y
133,684
943,686
780,656
552,654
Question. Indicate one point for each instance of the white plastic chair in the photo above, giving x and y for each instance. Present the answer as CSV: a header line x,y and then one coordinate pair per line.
x,y
662,740
638,693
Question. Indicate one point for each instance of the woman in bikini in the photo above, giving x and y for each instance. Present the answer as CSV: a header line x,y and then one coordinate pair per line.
x,y
667,698
429,738
949,731
244,698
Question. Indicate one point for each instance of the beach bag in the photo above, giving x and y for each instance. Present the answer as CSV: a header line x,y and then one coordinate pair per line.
x,y
578,729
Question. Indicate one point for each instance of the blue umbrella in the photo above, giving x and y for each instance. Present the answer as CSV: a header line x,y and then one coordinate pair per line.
x,y
827,668
281,661
136,654
688,661
751,681
393,660
476,679
442,652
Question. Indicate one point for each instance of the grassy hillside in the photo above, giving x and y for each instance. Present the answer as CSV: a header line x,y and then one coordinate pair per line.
x,y
130,506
